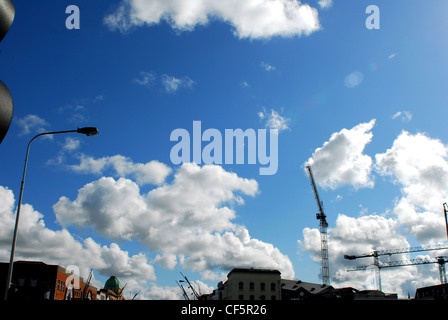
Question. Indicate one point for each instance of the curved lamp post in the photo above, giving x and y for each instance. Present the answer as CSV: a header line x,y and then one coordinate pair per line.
x,y
88,131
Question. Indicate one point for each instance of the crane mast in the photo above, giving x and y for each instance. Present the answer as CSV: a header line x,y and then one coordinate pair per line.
x,y
323,231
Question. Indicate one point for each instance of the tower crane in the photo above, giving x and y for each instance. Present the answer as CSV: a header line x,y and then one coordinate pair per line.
x,y
323,231
412,262
379,265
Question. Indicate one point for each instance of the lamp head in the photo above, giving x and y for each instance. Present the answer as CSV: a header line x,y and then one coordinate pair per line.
x,y
88,131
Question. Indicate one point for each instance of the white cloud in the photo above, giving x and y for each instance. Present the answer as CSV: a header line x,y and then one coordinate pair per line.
x,y
172,84
341,161
418,164
353,79
188,221
31,123
362,235
37,242
255,19
267,66
325,4
391,56
146,79
156,292
403,115
70,145
274,120
153,172
244,84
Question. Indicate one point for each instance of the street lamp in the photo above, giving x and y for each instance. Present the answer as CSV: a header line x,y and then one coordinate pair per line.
x,y
88,131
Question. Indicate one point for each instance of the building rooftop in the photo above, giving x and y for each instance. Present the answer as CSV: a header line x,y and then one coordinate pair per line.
x,y
252,270
112,283
293,285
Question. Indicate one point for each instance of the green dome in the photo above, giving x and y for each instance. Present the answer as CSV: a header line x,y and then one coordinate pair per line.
x,y
112,283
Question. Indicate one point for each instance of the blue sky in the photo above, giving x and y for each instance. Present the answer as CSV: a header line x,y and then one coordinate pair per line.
x,y
365,107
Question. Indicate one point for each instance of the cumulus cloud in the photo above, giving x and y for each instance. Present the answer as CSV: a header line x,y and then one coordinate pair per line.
x,y
153,172
188,221
418,164
355,236
37,242
256,19
341,160
362,235
274,120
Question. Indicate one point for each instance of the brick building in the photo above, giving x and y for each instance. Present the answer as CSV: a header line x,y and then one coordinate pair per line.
x,y
35,280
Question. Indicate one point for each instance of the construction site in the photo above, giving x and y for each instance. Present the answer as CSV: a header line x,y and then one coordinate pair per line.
x,y
377,265
257,279
435,292
438,291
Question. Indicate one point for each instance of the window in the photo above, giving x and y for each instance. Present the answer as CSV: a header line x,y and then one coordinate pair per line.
x,y
69,294
273,298
241,285
241,297
251,297
251,286
262,297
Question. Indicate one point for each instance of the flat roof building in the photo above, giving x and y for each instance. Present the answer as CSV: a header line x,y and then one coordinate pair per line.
x,y
252,284
266,284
